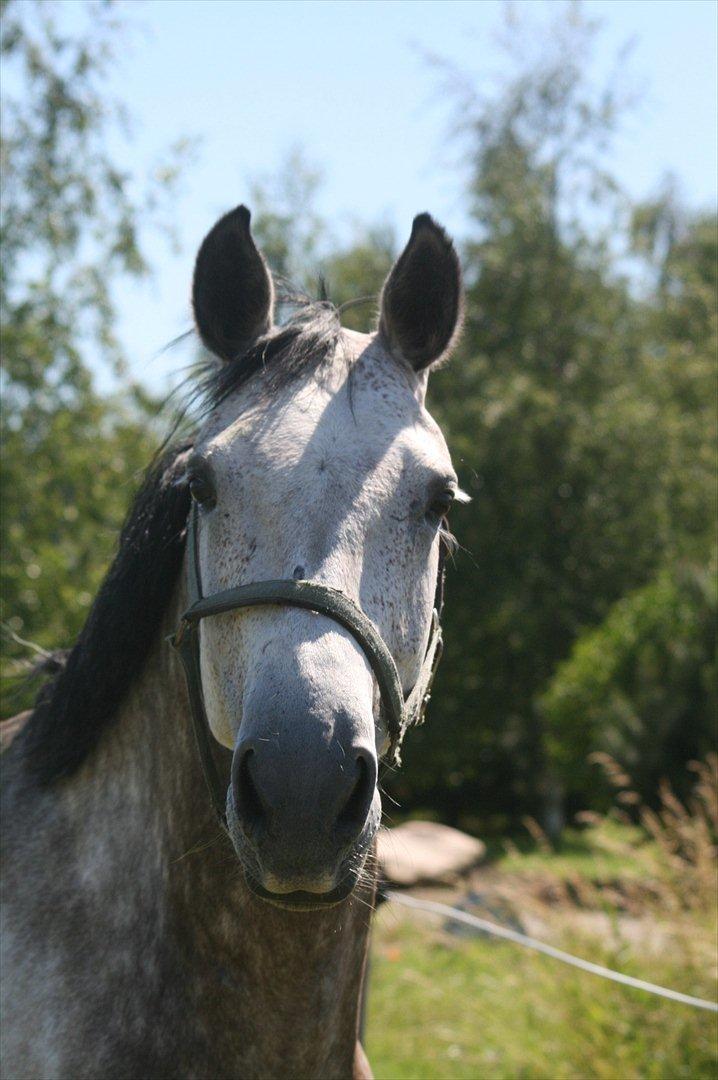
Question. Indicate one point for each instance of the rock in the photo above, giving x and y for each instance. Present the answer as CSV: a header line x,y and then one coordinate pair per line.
x,y
421,852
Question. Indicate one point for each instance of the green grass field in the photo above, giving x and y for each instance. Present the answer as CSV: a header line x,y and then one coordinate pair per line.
x,y
444,1005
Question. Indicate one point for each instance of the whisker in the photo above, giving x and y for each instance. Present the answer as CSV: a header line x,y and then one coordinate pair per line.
x,y
201,846
387,794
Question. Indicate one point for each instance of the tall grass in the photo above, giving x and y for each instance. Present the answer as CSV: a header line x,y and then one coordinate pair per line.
x,y
684,835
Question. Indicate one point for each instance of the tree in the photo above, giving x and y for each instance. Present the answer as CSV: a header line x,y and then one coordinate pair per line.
x,y
679,336
577,444
71,224
285,222
641,687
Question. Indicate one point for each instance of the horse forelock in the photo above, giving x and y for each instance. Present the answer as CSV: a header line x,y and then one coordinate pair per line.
x,y
307,340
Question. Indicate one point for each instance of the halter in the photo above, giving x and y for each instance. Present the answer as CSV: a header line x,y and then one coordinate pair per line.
x,y
399,712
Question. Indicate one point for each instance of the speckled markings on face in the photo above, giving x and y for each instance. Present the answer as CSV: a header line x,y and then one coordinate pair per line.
x,y
334,476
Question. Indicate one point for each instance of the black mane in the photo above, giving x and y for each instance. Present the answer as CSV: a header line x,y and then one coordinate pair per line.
x,y
74,708
72,711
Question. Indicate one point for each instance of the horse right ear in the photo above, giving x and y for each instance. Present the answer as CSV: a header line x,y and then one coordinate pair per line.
x,y
232,291
421,302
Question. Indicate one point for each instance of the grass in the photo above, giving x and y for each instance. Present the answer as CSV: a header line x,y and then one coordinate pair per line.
x,y
454,1007
638,899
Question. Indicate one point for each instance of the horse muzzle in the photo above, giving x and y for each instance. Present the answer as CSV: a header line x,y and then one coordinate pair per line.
x,y
303,822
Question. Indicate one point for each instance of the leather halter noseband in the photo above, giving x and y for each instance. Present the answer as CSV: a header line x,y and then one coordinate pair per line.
x,y
398,712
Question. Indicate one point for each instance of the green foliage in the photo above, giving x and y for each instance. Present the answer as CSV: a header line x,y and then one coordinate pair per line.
x,y
641,687
356,273
581,417
71,223
70,214
64,494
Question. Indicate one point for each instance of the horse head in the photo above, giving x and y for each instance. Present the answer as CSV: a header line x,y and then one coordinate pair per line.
x,y
325,467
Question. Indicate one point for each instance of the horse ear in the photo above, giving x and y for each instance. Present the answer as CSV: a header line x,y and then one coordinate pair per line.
x,y
232,291
420,308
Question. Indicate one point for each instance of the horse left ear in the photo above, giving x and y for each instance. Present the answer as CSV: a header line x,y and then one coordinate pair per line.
x,y
232,292
421,300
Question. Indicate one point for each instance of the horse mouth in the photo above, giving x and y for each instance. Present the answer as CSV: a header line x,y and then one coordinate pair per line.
x,y
301,900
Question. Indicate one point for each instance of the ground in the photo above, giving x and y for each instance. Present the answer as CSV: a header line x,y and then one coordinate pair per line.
x,y
446,1003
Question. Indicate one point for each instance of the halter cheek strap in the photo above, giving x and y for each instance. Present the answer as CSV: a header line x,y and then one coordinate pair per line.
x,y
398,713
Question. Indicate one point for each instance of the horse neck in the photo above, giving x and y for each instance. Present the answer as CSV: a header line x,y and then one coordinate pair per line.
x,y
278,988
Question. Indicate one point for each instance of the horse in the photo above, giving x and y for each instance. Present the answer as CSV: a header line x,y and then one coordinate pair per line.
x,y
175,913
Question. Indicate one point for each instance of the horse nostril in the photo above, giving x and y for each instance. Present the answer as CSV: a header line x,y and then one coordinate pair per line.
x,y
352,817
247,800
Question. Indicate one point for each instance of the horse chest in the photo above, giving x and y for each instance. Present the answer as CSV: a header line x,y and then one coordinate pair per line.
x,y
97,993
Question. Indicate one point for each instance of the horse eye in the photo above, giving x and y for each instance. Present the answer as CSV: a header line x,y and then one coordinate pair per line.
x,y
202,492
440,506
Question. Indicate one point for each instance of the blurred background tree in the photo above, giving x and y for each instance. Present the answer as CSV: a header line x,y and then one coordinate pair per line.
x,y
641,687
71,223
580,409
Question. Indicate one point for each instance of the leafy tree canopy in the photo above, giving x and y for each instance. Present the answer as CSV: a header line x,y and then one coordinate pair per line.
x,y
641,687
71,229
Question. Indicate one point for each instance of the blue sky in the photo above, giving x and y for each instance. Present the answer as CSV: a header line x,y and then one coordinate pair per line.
x,y
349,82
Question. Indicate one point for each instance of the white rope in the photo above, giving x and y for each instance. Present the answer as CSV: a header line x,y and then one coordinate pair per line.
x,y
548,950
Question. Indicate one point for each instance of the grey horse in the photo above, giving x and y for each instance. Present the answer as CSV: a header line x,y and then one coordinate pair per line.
x,y
140,938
